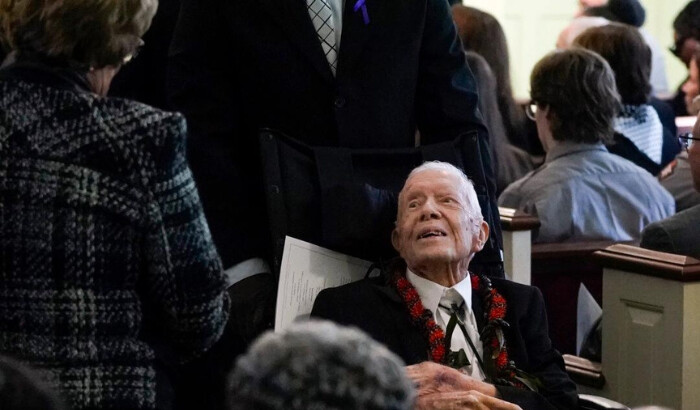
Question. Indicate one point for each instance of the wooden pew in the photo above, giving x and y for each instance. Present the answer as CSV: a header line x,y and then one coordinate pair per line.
x,y
651,327
517,229
558,270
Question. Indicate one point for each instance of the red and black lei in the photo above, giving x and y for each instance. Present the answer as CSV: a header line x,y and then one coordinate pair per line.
x,y
499,369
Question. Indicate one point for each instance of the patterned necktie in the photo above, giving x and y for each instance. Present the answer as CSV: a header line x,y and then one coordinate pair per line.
x,y
322,18
463,353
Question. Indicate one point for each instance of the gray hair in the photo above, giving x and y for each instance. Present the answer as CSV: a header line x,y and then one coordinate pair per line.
x,y
474,209
319,365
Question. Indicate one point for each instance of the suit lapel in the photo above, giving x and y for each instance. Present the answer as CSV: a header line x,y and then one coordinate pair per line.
x,y
413,343
294,18
478,310
356,32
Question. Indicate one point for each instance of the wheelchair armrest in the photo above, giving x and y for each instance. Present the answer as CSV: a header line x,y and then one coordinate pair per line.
x,y
590,402
584,372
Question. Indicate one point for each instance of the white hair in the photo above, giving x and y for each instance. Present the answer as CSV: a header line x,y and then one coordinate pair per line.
x,y
473,207
319,365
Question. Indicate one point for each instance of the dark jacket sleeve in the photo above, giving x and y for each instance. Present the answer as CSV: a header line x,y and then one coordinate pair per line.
x,y
543,361
655,237
446,89
447,97
184,284
202,79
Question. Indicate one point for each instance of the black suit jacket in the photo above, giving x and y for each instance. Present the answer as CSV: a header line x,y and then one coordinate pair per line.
x,y
239,65
378,310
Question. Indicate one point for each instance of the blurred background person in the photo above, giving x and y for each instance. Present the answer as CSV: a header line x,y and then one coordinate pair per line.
x,y
583,192
319,365
481,33
686,37
632,13
640,135
109,271
577,26
510,162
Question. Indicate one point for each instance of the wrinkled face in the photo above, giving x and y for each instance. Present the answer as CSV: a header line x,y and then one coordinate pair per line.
x,y
691,87
434,223
694,157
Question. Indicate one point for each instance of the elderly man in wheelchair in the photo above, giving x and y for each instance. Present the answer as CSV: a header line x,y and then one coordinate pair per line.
x,y
470,341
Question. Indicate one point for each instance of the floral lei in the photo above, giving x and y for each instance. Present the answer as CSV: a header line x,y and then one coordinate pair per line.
x,y
499,369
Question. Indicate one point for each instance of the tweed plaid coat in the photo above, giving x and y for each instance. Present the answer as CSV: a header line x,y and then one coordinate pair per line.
x,y
104,250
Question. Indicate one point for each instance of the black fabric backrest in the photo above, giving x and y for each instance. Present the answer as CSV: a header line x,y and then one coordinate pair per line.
x,y
346,199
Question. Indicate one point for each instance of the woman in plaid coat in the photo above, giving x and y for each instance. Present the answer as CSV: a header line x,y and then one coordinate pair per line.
x,y
106,262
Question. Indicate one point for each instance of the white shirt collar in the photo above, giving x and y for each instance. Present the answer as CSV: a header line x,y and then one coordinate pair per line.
x,y
430,292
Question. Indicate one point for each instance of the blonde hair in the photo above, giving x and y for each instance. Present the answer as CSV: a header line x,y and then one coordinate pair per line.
x,y
86,33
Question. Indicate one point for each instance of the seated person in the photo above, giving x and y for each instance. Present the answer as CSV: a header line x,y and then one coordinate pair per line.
x,y
639,133
678,234
319,365
632,14
582,191
510,162
686,35
436,315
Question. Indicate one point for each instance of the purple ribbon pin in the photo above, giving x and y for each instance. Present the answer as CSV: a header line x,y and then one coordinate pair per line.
x,y
360,4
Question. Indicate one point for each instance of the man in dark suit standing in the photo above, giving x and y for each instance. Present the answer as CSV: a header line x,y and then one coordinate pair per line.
x,y
348,73
437,316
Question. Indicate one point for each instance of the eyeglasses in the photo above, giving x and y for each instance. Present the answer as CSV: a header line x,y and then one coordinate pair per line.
x,y
686,140
131,56
531,110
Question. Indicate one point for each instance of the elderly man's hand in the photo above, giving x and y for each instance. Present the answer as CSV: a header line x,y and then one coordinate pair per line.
x,y
431,378
470,400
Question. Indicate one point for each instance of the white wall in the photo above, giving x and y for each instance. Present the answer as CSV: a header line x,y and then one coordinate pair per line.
x,y
532,28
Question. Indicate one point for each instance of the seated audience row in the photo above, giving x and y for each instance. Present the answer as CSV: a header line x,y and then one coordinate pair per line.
x,y
583,192
510,162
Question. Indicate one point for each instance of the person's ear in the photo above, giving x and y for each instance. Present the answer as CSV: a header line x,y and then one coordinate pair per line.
x,y
547,112
396,240
481,236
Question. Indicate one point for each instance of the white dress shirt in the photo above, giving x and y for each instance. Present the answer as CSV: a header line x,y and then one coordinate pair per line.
x,y
430,294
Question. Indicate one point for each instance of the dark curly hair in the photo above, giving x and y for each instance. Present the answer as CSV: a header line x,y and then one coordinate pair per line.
x,y
578,86
83,33
629,56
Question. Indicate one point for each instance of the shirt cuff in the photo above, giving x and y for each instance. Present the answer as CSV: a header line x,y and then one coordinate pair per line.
x,y
246,269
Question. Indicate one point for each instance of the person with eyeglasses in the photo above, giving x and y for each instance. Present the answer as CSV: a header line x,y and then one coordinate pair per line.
x,y
686,43
109,272
677,180
678,234
582,192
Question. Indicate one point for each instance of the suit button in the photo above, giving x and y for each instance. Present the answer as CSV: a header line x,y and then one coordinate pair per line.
x,y
339,102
